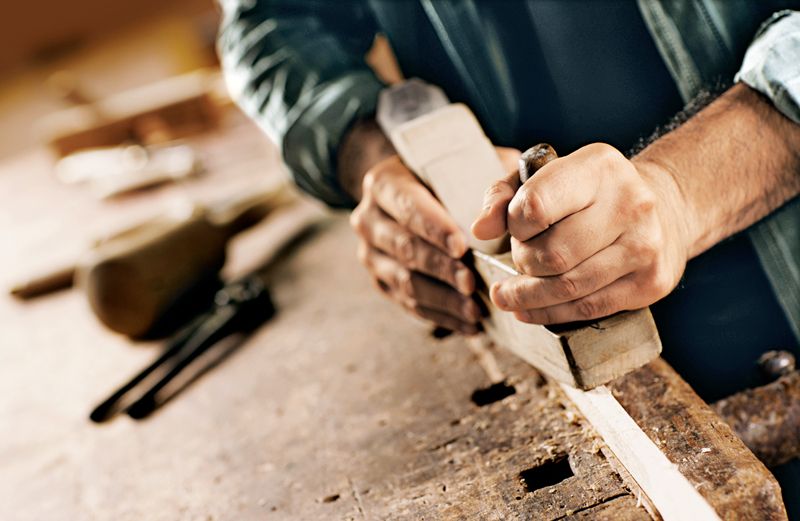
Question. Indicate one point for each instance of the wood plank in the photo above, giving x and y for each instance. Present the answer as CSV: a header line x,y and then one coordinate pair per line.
x,y
470,467
669,490
702,446
181,106
686,460
345,411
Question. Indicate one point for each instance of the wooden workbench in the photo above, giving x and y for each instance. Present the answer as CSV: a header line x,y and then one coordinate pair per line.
x,y
342,407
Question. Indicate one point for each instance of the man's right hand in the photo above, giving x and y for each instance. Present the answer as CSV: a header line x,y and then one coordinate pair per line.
x,y
413,248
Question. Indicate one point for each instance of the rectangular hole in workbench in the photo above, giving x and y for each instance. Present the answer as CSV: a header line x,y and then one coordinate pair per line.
x,y
546,475
493,393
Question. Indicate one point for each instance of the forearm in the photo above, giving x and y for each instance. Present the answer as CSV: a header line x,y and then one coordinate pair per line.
x,y
732,164
298,69
362,147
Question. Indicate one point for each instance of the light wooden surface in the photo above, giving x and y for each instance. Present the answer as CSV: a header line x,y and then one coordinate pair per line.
x,y
342,407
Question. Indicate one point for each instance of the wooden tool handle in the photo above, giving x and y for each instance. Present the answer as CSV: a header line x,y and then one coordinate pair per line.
x,y
53,280
132,280
535,158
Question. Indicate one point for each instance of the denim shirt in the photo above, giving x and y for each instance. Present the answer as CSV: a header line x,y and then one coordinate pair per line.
x,y
297,68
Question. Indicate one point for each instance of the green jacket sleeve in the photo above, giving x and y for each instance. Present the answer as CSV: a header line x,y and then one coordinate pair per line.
x,y
298,69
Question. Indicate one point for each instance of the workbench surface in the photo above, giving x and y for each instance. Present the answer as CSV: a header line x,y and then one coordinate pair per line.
x,y
342,407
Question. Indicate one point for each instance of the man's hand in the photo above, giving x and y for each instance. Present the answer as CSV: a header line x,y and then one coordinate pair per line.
x,y
593,232
408,242
412,248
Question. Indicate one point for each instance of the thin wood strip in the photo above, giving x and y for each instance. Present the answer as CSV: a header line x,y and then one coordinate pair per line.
x,y
669,490
704,448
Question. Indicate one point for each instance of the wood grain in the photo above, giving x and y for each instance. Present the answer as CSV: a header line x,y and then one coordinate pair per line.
x,y
702,446
342,407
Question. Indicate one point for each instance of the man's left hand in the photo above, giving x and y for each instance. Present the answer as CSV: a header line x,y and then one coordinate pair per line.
x,y
593,232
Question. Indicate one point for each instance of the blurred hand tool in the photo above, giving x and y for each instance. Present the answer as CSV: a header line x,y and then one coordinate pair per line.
x,y
133,277
155,113
111,171
239,307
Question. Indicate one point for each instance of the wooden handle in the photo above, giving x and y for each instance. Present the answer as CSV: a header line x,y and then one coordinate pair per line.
x,y
535,158
54,280
133,279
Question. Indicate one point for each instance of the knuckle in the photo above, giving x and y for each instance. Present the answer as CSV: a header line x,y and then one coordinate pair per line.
x,y
553,260
404,246
515,296
646,203
405,284
496,191
660,283
565,286
590,307
638,204
642,251
405,206
533,209
370,179
357,217
606,153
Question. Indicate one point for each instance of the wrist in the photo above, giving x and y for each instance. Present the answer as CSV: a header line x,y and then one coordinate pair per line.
x,y
676,212
362,147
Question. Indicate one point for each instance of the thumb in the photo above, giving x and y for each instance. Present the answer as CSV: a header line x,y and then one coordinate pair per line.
x,y
491,223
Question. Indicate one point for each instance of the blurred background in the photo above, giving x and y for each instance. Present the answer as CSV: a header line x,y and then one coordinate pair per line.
x,y
109,46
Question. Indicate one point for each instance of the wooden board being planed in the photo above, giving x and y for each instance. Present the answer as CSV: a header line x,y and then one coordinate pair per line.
x,y
448,150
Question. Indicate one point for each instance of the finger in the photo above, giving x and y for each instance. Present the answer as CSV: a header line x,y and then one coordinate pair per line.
x,y
491,222
524,292
442,319
430,294
414,289
411,251
446,321
408,202
620,295
560,188
568,243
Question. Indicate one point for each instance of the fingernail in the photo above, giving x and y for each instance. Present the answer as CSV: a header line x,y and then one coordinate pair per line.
x,y
456,246
465,281
497,297
472,311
